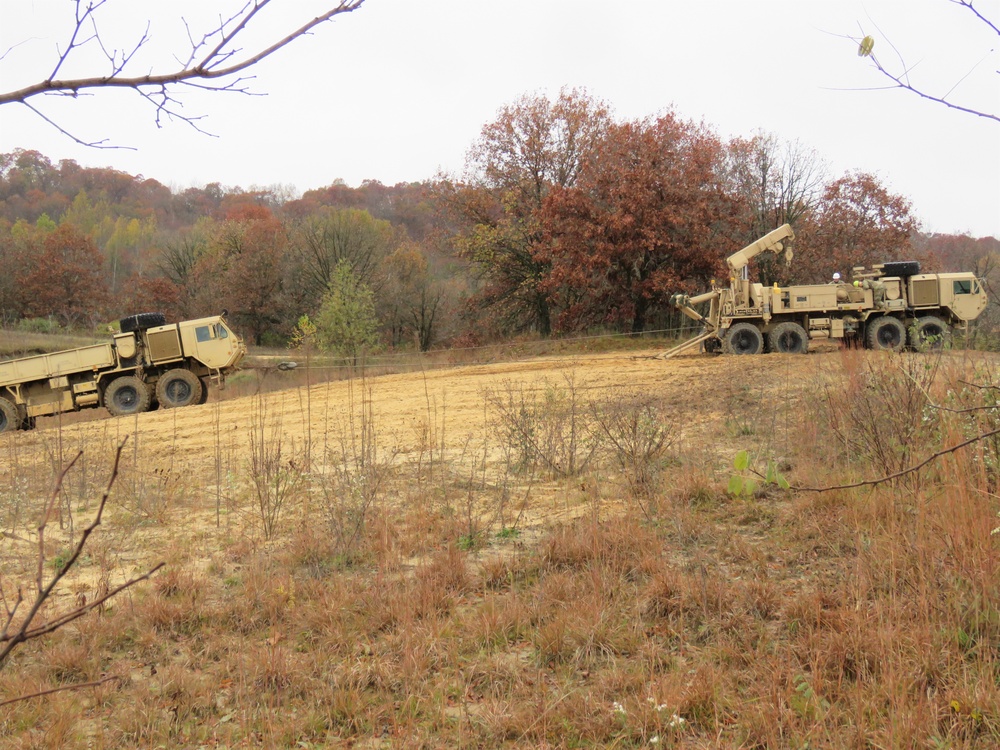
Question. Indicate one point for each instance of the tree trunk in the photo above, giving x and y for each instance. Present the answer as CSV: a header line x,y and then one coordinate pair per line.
x,y
639,317
543,316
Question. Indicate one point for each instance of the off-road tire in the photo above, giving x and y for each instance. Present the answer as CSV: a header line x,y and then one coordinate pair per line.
x,y
10,420
788,338
127,395
743,338
204,391
885,334
178,387
929,332
142,321
901,268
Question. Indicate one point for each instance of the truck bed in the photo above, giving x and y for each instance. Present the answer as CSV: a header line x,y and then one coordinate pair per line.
x,y
56,364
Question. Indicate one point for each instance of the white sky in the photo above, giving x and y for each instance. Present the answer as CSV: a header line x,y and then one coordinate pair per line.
x,y
400,89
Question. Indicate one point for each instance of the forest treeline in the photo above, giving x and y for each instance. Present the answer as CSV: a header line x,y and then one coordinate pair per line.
x,y
565,219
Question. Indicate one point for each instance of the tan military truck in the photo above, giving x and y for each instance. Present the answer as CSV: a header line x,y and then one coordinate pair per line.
x,y
891,306
148,365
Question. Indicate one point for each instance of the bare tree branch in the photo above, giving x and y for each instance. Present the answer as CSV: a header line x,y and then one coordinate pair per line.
x,y
60,689
103,143
904,472
214,63
902,80
25,631
980,16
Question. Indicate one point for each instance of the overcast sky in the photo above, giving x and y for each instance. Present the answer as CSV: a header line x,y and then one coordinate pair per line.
x,y
399,89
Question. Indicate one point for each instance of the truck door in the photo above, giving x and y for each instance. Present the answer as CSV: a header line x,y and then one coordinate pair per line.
x,y
214,344
969,298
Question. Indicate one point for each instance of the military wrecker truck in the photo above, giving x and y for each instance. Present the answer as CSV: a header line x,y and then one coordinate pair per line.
x,y
147,365
889,307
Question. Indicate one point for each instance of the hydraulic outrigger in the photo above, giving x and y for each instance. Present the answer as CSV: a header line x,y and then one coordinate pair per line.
x,y
739,289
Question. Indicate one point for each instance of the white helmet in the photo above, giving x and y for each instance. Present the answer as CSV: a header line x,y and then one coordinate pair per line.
x,y
836,275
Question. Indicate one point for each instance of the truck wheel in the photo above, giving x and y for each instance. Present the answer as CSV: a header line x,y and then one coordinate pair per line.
x,y
142,321
178,387
929,332
126,395
886,334
204,391
9,418
788,338
743,338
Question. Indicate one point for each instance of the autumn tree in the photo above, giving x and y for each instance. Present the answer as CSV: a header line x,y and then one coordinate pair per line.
x,y
121,239
16,250
533,147
857,222
411,299
178,264
64,278
646,219
149,293
242,270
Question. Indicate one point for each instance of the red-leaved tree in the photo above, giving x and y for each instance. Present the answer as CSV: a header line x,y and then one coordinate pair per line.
x,y
243,271
65,279
533,147
648,217
858,222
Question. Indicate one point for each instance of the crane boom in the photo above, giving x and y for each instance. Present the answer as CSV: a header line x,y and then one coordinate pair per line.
x,y
772,241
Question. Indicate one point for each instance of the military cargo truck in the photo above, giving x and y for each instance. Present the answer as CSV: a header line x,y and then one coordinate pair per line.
x,y
891,306
149,364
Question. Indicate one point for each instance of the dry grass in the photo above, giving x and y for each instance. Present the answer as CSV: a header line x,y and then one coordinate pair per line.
x,y
662,613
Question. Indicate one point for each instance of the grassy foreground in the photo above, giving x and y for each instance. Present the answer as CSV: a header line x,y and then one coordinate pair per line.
x,y
576,577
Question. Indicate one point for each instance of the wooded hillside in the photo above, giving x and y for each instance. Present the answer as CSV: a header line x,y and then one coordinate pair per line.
x,y
564,220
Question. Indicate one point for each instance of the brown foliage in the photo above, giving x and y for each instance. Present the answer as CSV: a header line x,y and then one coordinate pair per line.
x,y
533,147
157,294
642,223
242,270
65,279
858,222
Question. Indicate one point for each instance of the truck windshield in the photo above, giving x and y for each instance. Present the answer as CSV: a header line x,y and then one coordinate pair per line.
x,y
212,332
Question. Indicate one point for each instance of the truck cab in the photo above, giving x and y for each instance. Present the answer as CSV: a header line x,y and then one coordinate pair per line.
x,y
209,341
961,293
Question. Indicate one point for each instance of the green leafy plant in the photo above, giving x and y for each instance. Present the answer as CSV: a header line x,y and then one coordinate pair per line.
x,y
806,702
745,481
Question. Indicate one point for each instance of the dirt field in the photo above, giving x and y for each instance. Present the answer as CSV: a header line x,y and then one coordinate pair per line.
x,y
186,473
700,393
